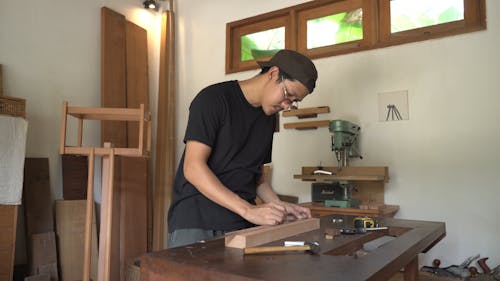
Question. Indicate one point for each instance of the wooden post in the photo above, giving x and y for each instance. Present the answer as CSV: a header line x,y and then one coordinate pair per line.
x,y
165,137
108,163
62,143
88,217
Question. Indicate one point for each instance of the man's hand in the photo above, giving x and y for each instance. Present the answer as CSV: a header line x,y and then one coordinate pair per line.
x,y
266,214
297,211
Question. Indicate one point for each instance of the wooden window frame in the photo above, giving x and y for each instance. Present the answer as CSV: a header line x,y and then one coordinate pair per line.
x,y
235,30
376,28
474,20
369,33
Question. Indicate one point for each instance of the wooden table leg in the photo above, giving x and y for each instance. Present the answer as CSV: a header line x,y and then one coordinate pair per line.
x,y
411,270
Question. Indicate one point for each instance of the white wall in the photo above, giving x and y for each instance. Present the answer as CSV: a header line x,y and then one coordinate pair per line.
x,y
444,161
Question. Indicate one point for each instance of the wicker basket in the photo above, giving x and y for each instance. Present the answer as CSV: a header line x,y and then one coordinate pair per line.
x,y
133,271
13,106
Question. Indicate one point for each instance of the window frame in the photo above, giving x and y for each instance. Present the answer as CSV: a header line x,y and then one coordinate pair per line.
x,y
235,30
369,34
474,20
376,28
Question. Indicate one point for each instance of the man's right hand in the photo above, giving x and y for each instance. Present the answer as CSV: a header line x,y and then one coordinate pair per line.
x,y
266,214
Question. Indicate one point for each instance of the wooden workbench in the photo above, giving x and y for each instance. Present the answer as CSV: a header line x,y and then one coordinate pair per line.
x,y
213,261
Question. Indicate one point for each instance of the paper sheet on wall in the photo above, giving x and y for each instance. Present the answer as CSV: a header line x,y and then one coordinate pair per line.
x,y
13,132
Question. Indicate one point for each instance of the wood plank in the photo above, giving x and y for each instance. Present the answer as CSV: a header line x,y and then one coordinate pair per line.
x,y
133,214
306,112
8,225
37,196
108,267
44,255
113,74
348,173
70,229
307,125
137,76
264,234
135,180
74,176
165,137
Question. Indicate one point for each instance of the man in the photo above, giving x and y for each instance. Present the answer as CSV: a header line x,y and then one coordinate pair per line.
x,y
228,138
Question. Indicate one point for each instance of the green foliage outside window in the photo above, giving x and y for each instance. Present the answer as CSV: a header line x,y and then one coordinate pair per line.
x,y
262,44
406,14
335,29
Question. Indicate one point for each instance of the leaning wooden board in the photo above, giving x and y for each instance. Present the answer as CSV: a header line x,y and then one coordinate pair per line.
x,y
113,94
8,225
125,84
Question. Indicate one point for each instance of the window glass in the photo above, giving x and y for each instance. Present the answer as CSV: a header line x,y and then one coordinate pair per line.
x,y
335,29
262,44
411,14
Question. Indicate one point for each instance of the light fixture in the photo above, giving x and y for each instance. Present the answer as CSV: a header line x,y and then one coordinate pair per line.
x,y
150,4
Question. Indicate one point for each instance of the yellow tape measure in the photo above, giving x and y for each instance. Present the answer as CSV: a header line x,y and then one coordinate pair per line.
x,y
363,222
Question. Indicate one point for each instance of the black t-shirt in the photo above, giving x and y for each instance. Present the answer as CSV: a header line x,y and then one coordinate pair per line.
x,y
241,137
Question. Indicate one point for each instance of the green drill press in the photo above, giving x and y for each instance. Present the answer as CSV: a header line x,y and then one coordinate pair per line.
x,y
345,146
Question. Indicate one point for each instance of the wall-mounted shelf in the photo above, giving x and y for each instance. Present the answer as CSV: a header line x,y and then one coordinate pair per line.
x,y
310,112
345,174
307,125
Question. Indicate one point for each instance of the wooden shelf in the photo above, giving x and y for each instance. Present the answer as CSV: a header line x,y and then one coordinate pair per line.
x,y
309,112
319,210
307,125
338,178
346,174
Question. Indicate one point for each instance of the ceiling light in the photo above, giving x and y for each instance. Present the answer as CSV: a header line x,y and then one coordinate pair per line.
x,y
150,4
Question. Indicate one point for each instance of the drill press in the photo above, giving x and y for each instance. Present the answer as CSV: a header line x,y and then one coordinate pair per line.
x,y
344,141
345,146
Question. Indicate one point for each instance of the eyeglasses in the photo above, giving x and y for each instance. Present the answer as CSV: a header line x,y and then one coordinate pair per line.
x,y
292,100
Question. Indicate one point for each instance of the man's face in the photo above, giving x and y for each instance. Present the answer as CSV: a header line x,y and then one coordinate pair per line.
x,y
282,94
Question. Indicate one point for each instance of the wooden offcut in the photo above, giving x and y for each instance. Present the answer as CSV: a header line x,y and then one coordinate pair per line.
x,y
8,225
74,176
44,255
70,229
259,235
37,196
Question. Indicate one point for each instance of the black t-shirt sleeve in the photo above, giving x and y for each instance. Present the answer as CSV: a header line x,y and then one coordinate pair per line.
x,y
205,118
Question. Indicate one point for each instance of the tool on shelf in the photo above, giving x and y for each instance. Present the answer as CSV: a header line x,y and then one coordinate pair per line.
x,y
345,146
344,141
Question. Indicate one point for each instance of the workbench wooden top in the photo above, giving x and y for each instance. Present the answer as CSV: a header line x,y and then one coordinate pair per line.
x,y
213,261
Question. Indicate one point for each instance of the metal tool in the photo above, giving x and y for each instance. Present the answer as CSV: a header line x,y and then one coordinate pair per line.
x,y
363,222
310,247
345,146
344,141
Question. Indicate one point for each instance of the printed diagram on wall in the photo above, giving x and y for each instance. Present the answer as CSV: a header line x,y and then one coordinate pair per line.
x,y
393,106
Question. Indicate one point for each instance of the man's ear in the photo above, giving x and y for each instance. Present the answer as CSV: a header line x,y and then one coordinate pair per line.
x,y
274,73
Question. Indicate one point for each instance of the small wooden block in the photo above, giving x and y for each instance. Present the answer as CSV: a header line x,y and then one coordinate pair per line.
x,y
330,233
259,235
